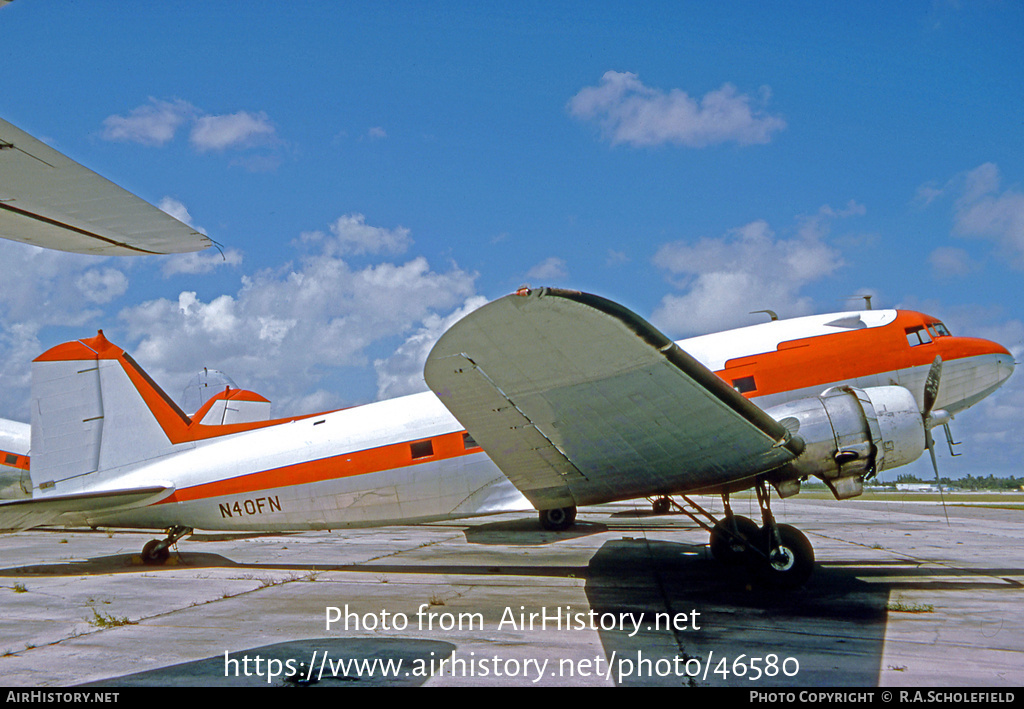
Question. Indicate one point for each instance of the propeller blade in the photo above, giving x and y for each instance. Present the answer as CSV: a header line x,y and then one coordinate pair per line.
x,y
931,393
931,387
929,443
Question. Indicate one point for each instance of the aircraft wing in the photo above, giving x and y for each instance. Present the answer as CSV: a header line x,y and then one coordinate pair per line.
x,y
49,200
580,401
75,509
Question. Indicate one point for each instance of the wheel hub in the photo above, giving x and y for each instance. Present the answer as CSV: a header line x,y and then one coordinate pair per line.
x,y
782,559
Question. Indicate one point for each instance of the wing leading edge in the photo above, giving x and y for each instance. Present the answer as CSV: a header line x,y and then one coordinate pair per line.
x,y
49,200
580,401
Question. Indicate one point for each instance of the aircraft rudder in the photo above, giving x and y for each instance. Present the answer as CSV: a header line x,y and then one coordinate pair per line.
x,y
94,410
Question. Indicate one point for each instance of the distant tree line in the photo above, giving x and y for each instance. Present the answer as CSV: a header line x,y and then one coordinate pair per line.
x,y
967,483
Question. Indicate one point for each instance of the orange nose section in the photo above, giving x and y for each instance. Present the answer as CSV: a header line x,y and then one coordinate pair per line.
x,y
959,347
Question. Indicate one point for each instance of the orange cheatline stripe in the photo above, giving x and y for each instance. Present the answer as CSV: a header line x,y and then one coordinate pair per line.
x,y
373,460
19,461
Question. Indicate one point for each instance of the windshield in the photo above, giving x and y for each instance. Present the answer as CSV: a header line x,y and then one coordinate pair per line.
x,y
918,336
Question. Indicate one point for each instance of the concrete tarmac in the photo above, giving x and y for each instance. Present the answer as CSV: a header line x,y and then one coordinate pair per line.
x,y
898,598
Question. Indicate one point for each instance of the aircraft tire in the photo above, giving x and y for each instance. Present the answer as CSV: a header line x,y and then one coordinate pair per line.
x,y
558,519
788,565
727,550
153,556
661,506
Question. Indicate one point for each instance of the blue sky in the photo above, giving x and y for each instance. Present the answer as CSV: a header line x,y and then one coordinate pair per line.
x,y
373,170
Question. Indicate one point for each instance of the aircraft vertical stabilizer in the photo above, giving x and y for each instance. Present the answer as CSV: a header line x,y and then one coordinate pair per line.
x,y
94,411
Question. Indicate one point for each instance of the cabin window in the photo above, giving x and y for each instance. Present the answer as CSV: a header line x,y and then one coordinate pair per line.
x,y
468,442
918,336
744,384
10,459
422,449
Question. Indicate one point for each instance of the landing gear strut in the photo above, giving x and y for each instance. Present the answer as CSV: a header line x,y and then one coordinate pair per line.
x,y
731,538
787,557
157,551
778,554
790,557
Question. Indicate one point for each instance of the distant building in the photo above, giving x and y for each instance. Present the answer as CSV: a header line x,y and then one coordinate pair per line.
x,y
917,487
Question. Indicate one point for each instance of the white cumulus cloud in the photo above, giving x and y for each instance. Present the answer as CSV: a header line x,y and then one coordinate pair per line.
x,y
196,262
402,372
157,123
986,210
44,288
350,234
242,129
982,208
285,330
548,270
750,268
630,112
102,285
154,123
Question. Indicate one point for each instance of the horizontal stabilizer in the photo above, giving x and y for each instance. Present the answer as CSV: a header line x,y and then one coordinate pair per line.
x,y
75,509
49,200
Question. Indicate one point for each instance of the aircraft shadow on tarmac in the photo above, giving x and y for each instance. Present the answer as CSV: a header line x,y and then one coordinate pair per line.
x,y
528,532
295,664
833,628
836,621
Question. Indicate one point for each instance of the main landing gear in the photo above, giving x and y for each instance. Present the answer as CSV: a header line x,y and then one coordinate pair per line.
x,y
157,551
779,554
558,519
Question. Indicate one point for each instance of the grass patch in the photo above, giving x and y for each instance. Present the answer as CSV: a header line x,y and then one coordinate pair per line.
x,y
105,620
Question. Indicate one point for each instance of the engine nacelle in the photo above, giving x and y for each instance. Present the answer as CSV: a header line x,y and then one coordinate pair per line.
x,y
850,434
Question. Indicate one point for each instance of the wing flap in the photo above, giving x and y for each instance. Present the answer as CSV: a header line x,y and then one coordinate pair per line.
x,y
628,412
49,200
75,509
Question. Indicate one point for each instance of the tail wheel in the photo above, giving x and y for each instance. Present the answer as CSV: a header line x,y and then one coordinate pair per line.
x,y
558,519
788,560
153,555
730,542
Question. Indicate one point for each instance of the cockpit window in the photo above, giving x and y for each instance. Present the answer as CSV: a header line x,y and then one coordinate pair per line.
x,y
938,329
918,336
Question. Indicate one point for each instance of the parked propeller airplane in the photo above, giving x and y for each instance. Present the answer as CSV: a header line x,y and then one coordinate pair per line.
x,y
542,400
